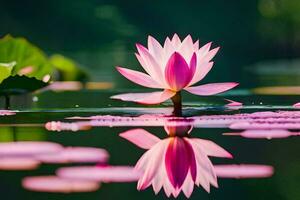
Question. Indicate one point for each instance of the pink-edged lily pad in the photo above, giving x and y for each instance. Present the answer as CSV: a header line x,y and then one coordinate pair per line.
x,y
100,173
18,163
55,184
243,171
28,148
76,155
7,112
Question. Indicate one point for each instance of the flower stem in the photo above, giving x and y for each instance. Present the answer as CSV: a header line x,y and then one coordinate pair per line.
x,y
177,104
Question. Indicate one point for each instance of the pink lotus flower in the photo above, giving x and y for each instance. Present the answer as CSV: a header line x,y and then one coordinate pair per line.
x,y
176,163
175,66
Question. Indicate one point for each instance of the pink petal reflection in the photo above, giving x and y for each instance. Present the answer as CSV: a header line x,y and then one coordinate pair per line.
x,y
269,134
55,184
265,125
76,155
243,171
6,112
100,173
65,126
233,103
18,163
296,105
140,137
28,148
65,86
256,120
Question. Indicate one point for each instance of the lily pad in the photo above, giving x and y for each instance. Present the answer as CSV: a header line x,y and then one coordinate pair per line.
x,y
14,85
25,55
6,70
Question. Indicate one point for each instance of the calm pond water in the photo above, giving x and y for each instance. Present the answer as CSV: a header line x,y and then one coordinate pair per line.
x,y
29,125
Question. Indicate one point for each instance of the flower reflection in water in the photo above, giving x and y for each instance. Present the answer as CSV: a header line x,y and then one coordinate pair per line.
x,y
264,133
58,185
243,171
176,163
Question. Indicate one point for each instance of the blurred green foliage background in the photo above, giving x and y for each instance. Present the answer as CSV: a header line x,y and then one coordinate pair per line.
x,y
101,34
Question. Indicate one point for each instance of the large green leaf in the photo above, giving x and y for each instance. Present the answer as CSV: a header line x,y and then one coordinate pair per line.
x,y
69,70
6,70
20,84
25,54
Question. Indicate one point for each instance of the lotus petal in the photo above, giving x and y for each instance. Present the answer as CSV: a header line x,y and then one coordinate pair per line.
x,y
177,72
155,49
149,163
177,161
176,42
150,64
210,55
201,72
187,48
211,149
146,98
139,78
211,89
